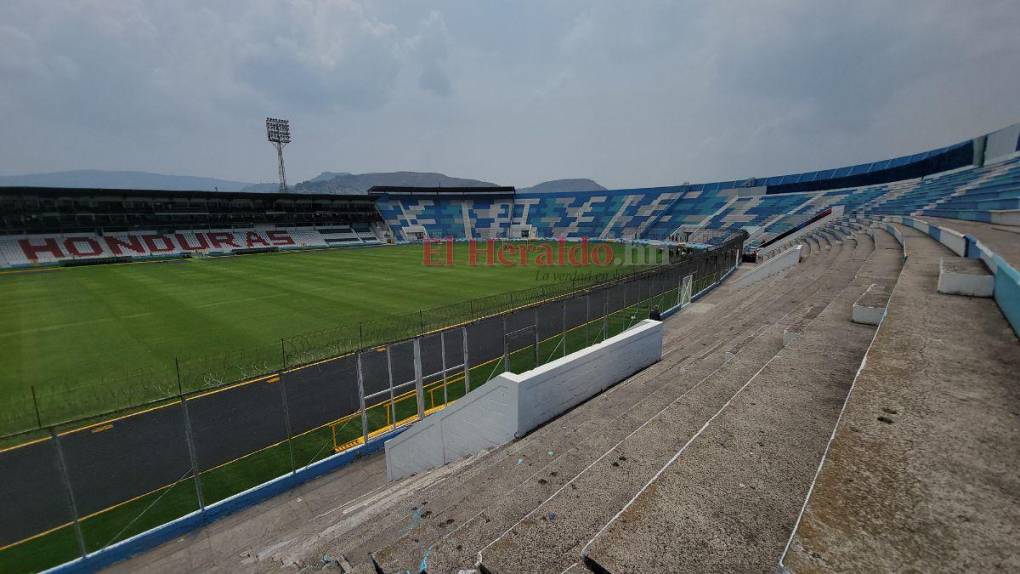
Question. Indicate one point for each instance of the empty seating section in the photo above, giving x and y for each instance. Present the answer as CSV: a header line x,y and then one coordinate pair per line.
x,y
963,194
755,211
415,218
781,226
691,211
657,213
573,214
638,210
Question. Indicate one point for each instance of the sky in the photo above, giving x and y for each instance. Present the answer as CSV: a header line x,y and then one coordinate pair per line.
x,y
629,93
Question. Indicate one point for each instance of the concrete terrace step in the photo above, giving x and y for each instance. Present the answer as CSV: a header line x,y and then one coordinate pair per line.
x,y
551,535
456,545
728,499
686,519
921,474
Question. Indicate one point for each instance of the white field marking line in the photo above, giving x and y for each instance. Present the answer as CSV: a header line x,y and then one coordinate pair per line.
x,y
677,455
832,437
569,567
679,452
635,431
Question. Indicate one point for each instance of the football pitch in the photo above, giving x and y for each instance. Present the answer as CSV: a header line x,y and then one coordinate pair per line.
x,y
91,332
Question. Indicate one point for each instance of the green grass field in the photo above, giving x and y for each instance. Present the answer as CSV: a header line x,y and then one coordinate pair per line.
x,y
110,334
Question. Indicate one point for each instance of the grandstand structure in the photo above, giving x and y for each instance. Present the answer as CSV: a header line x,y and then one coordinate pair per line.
x,y
60,226
845,401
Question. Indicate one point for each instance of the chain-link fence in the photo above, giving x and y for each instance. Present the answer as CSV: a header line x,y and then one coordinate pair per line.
x,y
76,487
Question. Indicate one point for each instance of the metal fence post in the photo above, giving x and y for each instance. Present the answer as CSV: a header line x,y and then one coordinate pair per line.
x,y
538,341
587,318
418,388
679,287
605,315
467,369
563,325
72,504
393,399
35,404
361,401
190,437
442,354
506,349
286,421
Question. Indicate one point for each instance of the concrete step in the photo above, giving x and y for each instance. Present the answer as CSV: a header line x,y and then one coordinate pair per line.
x,y
528,456
727,501
555,531
470,528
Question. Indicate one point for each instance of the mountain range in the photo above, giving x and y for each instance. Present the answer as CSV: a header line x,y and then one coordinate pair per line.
x,y
340,183
97,178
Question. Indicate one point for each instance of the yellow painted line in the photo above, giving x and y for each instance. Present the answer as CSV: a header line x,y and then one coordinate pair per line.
x,y
88,516
34,536
258,379
103,428
24,444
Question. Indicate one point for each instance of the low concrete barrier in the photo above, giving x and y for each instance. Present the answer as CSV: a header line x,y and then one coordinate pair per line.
x,y
770,267
870,307
1005,216
511,405
965,277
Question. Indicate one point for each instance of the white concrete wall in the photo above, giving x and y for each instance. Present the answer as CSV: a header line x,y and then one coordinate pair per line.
x,y
769,267
556,387
511,405
1006,216
1001,144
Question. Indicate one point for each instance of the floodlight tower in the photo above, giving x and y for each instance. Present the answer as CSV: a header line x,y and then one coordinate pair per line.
x,y
279,135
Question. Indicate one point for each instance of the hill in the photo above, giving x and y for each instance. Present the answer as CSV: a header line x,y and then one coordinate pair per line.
x,y
561,185
357,184
98,178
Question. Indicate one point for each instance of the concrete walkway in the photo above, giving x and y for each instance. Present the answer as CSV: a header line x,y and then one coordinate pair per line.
x,y
922,474
1004,240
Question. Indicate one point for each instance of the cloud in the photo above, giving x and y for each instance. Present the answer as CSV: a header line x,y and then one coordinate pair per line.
x,y
429,50
637,93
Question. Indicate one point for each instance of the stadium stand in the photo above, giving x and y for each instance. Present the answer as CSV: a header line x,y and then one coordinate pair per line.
x,y
764,208
51,226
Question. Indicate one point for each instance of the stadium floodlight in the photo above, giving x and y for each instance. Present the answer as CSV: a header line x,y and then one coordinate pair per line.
x,y
278,132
